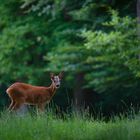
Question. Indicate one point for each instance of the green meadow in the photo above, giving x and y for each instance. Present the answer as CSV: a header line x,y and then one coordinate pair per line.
x,y
49,127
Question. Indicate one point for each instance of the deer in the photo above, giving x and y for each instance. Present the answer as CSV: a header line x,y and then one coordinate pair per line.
x,y
22,93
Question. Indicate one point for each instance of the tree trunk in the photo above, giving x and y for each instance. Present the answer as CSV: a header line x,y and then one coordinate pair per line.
x,y
78,92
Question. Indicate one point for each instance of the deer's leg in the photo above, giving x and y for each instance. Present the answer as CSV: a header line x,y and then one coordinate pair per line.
x,y
11,105
41,107
18,104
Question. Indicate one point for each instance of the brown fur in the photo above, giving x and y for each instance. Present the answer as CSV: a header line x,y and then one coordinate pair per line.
x,y
21,93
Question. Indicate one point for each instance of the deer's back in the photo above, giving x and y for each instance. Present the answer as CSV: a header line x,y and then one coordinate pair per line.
x,y
27,91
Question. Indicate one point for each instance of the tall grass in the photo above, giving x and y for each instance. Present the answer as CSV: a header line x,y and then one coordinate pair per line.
x,y
49,127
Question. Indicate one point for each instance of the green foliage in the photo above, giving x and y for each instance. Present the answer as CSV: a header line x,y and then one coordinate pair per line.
x,y
22,46
106,57
115,54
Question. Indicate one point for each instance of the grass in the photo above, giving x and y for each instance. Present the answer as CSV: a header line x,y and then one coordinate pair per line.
x,y
49,127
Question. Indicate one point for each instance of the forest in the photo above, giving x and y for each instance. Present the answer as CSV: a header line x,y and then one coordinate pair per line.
x,y
95,43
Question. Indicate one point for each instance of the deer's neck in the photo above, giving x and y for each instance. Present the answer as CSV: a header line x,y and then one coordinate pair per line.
x,y
52,89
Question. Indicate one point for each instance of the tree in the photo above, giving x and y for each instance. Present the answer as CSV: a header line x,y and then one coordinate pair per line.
x,y
69,35
109,60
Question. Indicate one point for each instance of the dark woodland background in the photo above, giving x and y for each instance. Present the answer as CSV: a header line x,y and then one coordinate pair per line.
x,y
95,43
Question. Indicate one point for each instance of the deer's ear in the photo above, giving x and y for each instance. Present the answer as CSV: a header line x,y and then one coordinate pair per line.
x,y
61,75
52,75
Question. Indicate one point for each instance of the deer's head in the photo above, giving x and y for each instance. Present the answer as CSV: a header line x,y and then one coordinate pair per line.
x,y
56,79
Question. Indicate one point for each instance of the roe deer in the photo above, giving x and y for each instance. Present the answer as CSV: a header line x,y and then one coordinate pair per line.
x,y
21,93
